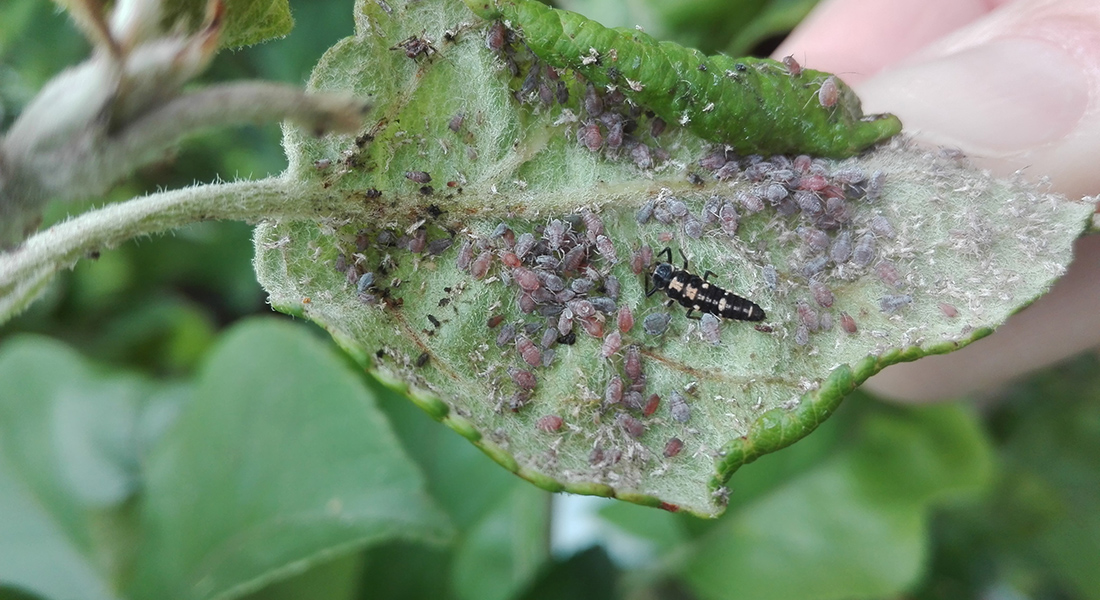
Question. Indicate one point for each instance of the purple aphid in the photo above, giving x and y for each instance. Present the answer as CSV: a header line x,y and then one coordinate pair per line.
x,y
506,334
808,316
526,279
606,249
456,121
582,308
523,379
775,193
864,252
673,447
677,207
874,186
549,337
645,213
632,364
793,68
603,304
821,293
633,427
613,393
849,175
611,286
593,103
681,411
750,201
565,322
888,273
949,310
555,234
593,226
480,266
770,276
693,228
663,215
802,335
524,244
551,281
590,136
814,266
573,259
495,37
611,344
847,323
709,328
656,323
727,171
841,250
528,351
829,92
593,325
711,209
815,239
615,134
881,226
550,423
437,247
581,285
418,176
526,302
641,156
826,321
809,203
728,219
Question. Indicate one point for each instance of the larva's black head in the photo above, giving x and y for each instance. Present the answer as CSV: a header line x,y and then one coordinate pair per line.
x,y
662,275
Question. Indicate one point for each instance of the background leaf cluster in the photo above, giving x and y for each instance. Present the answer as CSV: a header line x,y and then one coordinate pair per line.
x,y
161,431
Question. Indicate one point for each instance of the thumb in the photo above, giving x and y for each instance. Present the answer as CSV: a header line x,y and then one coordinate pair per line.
x,y
1017,89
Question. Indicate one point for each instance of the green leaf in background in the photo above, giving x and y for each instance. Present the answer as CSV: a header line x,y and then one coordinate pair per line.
x,y
855,527
281,461
442,246
68,457
247,22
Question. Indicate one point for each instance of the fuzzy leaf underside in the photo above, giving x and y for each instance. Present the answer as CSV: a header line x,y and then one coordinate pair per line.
x,y
961,252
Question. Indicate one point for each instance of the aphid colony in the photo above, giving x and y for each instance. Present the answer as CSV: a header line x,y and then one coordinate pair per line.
x,y
607,121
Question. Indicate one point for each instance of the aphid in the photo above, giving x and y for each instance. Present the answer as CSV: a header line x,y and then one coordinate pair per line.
x,y
593,226
880,225
836,210
547,262
415,46
802,335
948,310
606,249
637,262
611,344
673,447
494,320
775,193
864,252
494,38
641,156
437,247
826,320
809,203
815,239
727,171
808,316
651,405
821,293
874,186
693,228
322,164
456,122
815,266
549,337
801,163
829,92
894,303
656,323
888,273
663,215
525,380
645,212
613,393
813,183
603,304
657,126
593,325
841,250
366,281
771,277
551,281
524,244
528,351
847,323
526,302
681,411
581,285
418,176
633,427
419,241
615,134
590,136
526,279
555,234
550,310
573,259
849,175
792,65
632,364
582,308
632,399
611,286
548,357
697,294
422,360
709,329
565,322
506,334
510,260
593,103
550,423
625,319
677,207
714,160
480,266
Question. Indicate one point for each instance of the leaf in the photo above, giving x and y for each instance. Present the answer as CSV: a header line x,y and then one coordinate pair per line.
x,y
67,457
924,255
281,462
853,527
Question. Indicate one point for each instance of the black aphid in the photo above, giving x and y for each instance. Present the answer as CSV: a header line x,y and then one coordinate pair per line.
x,y
698,294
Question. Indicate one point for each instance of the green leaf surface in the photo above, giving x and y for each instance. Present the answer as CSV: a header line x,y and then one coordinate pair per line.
x,y
853,527
68,457
282,461
924,255
247,22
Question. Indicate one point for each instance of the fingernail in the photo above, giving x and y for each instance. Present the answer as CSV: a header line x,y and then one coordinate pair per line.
x,y
1003,96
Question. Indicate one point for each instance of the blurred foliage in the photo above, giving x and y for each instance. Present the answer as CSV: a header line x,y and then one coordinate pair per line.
x,y
150,441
